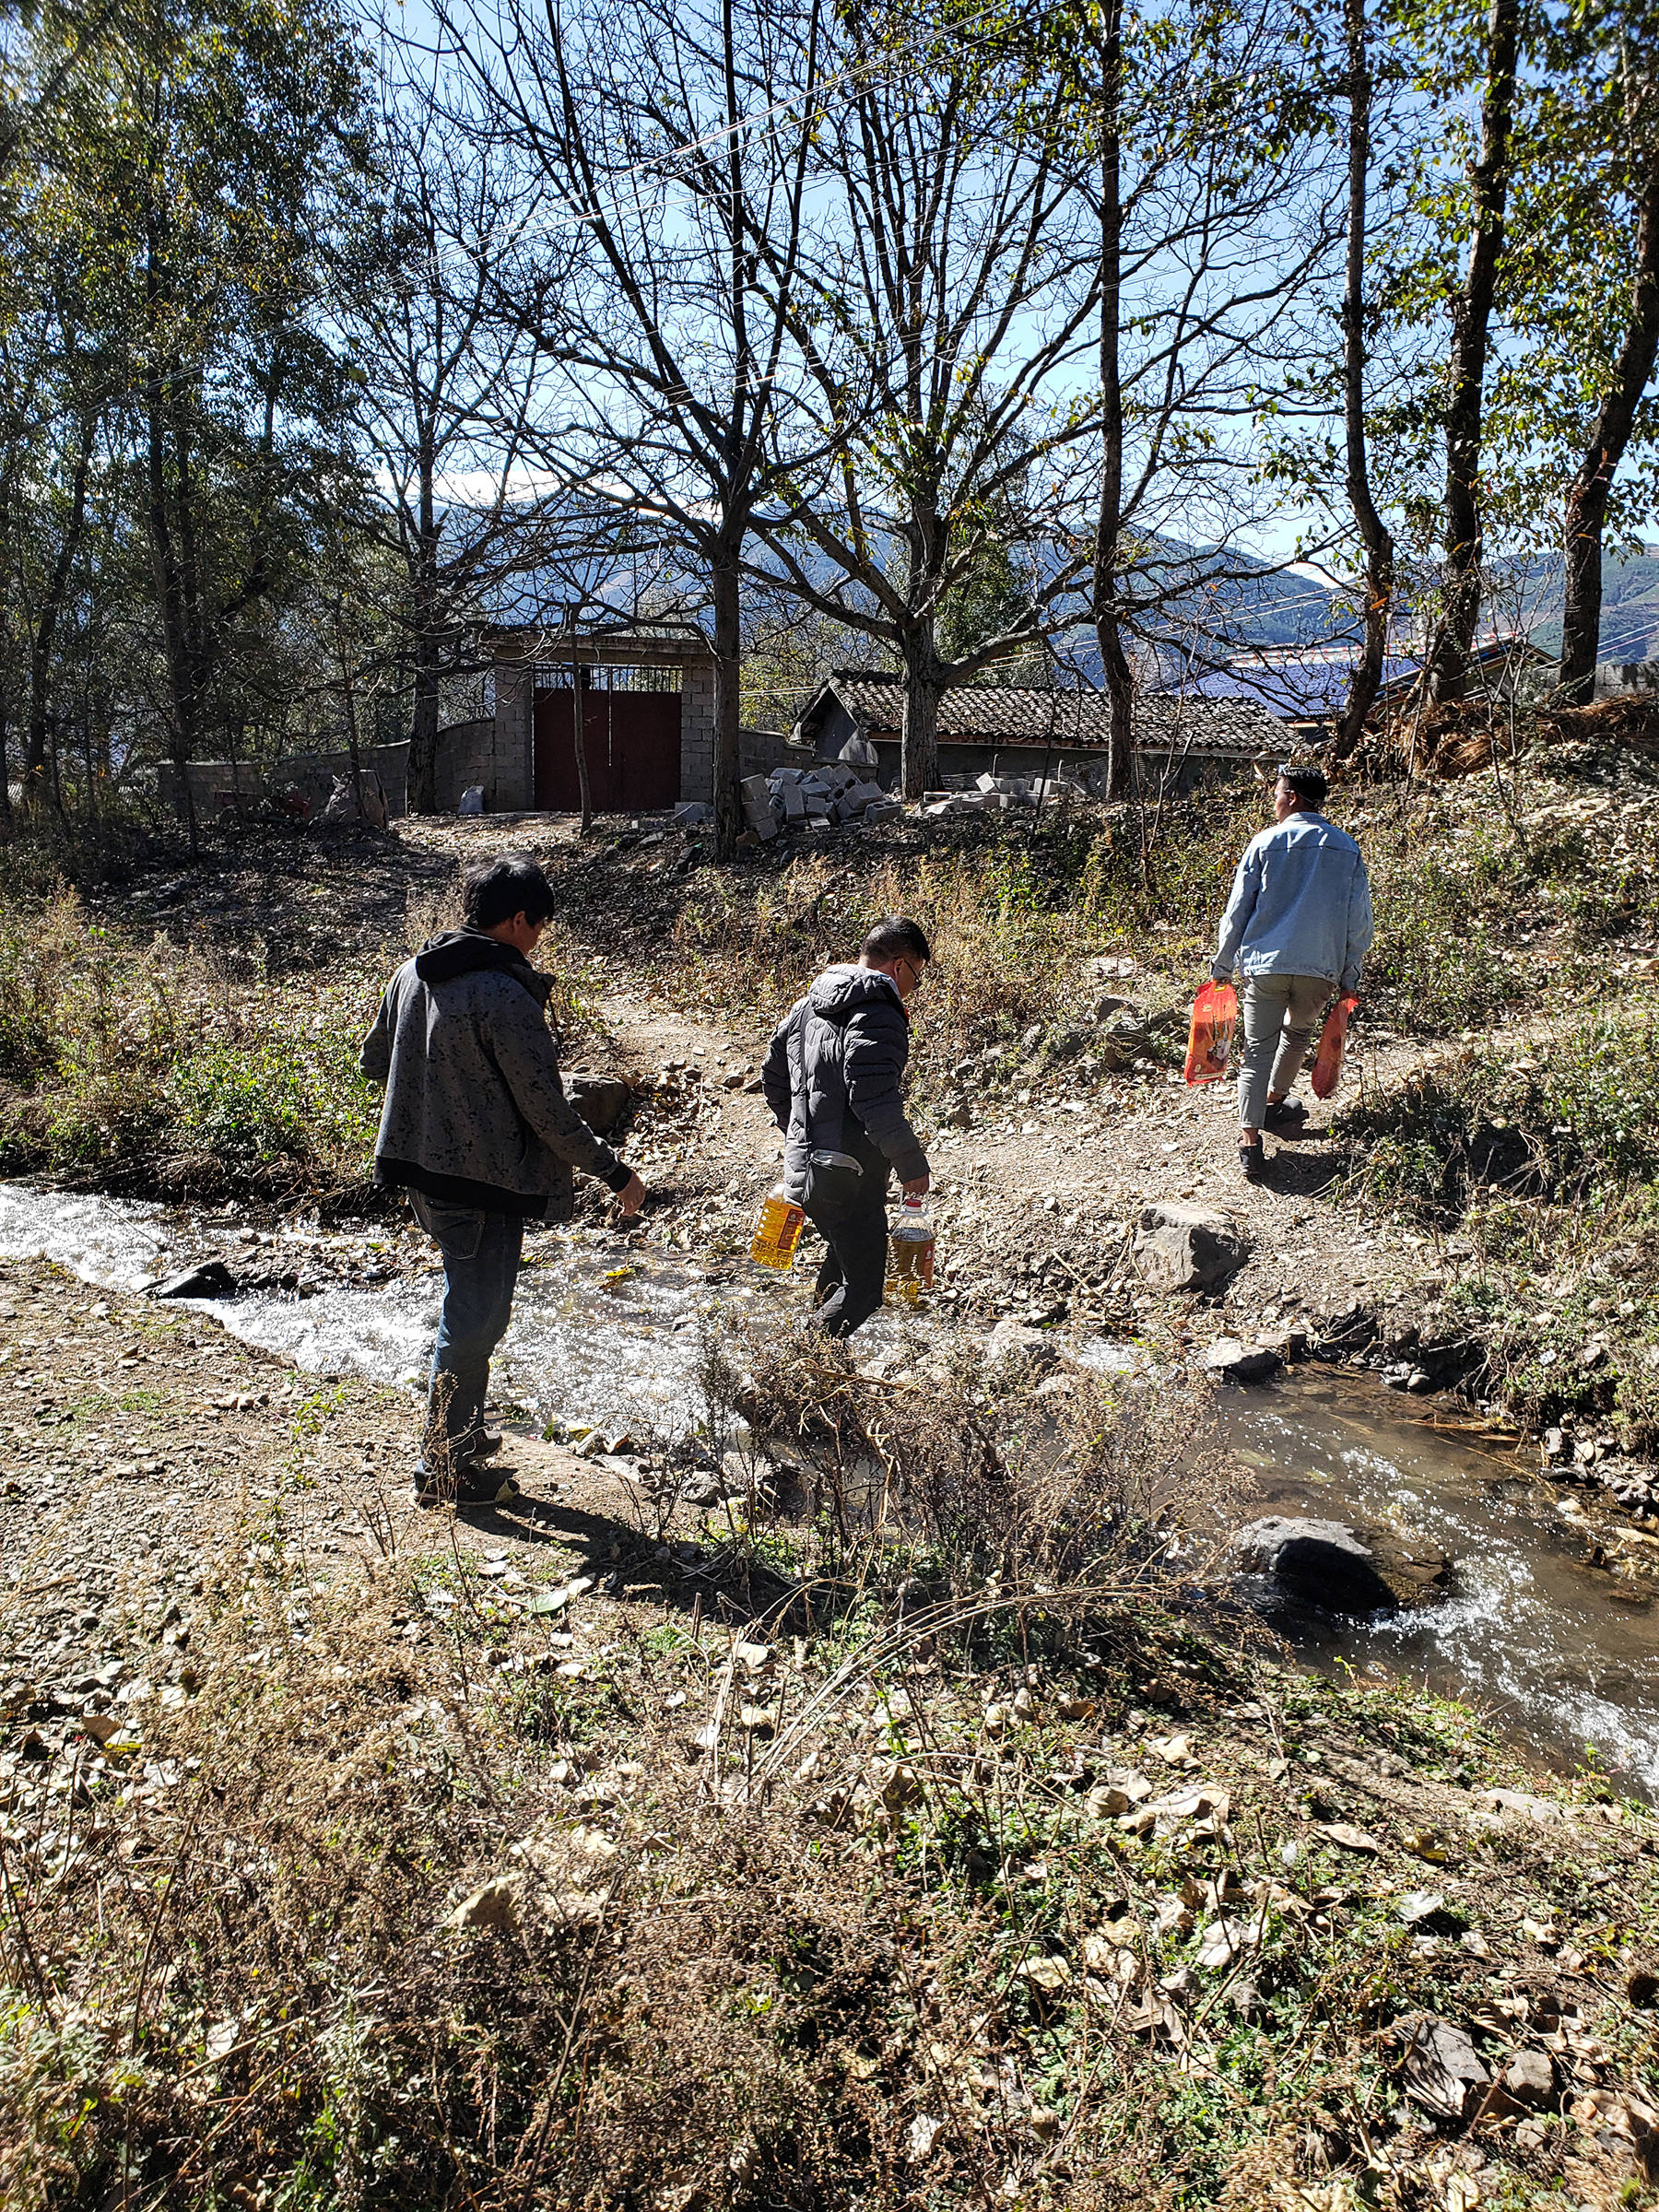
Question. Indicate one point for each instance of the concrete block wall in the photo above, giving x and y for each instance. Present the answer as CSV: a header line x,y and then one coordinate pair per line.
x,y
697,731
510,784
467,754
313,774
759,751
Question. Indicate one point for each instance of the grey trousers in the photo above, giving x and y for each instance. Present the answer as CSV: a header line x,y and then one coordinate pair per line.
x,y
1279,1014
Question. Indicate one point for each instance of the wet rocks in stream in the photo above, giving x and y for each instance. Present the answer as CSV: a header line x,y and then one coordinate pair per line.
x,y
207,1279
1331,1566
1229,1360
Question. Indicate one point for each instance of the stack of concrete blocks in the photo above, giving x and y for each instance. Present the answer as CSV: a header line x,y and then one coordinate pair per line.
x,y
1002,794
817,799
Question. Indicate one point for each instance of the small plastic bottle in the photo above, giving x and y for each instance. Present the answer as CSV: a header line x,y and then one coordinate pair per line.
x,y
911,1251
778,1232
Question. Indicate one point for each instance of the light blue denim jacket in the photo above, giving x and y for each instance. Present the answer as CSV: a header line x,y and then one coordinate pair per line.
x,y
1301,905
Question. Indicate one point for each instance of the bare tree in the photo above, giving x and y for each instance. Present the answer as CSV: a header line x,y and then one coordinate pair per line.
x,y
671,142
1634,99
1471,318
953,282
1214,223
444,393
1367,678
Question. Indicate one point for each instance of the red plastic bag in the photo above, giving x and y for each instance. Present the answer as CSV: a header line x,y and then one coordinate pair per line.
x,y
1328,1064
1209,1040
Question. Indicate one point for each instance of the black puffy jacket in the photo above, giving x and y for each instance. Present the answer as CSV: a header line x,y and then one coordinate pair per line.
x,y
834,1077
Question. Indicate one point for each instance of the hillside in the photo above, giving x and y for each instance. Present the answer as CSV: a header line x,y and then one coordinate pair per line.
x,y
714,1825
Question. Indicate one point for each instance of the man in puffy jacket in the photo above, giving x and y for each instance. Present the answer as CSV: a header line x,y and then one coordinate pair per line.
x,y
476,1128
833,1077
1299,922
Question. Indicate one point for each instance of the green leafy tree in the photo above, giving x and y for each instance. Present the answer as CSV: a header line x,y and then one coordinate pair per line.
x,y
1576,401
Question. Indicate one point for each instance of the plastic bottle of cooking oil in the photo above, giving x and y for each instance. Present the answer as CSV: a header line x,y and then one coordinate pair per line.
x,y
778,1232
911,1251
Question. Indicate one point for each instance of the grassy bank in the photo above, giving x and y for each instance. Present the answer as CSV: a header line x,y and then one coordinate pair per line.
x,y
941,1854
182,1065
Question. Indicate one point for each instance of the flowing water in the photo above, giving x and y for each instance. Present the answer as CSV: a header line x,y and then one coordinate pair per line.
x,y
1528,1630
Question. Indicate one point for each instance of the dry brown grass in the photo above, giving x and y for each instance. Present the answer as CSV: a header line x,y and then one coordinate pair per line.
x,y
1010,948
970,1471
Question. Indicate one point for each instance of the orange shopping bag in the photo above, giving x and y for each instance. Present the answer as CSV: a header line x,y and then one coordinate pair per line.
x,y
1328,1064
1209,1040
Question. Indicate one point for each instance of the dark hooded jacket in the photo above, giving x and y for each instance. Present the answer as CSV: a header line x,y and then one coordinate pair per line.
x,y
476,1114
834,1076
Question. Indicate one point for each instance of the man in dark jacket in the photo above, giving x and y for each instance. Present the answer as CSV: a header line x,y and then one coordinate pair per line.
x,y
476,1128
833,1077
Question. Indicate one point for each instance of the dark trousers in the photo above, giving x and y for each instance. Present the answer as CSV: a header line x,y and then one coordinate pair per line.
x,y
849,1211
481,1253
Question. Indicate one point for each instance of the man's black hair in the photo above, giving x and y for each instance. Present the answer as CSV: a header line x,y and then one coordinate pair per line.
x,y
895,937
1307,781
512,883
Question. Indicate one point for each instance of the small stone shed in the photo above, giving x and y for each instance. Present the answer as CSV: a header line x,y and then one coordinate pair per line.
x,y
1007,729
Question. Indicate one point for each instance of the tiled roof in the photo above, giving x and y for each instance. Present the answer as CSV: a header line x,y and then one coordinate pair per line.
x,y
1011,714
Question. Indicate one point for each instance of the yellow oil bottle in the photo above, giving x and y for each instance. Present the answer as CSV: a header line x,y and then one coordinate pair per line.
x,y
778,1232
911,1251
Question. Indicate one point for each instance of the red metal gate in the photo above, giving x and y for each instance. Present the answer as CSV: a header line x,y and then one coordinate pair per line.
x,y
633,750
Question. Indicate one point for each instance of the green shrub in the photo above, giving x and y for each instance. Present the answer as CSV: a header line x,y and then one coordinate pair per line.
x,y
1577,1123
252,1103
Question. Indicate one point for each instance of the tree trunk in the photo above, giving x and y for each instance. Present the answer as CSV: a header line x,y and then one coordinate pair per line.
x,y
728,668
918,738
1367,678
1471,314
579,730
423,724
1586,510
348,701
52,605
423,729
170,599
1114,662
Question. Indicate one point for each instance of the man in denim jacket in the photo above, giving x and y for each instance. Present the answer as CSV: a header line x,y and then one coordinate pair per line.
x,y
1298,922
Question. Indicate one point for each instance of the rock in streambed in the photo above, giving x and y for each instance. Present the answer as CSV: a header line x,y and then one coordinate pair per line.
x,y
1328,1564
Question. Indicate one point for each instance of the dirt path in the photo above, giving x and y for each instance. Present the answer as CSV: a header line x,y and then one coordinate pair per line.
x,y
1035,1200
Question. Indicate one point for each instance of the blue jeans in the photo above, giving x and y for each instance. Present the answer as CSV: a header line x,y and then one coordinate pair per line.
x,y
481,1253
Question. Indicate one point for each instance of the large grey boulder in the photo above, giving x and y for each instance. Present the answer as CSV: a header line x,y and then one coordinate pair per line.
x,y
1181,1247
1321,1563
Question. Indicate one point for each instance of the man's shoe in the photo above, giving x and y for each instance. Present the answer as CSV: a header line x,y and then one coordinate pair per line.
x,y
469,1486
1289,1114
1253,1161
483,1443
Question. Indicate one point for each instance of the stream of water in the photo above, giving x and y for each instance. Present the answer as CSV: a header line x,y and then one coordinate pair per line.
x,y
1528,1630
